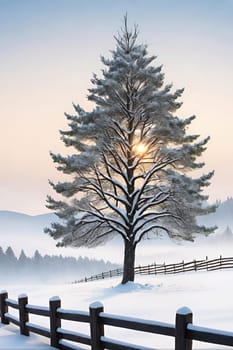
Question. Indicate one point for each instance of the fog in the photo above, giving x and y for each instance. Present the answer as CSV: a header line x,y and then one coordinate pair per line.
x,y
20,231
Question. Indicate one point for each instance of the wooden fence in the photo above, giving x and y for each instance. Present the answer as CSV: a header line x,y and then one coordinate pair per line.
x,y
183,331
155,269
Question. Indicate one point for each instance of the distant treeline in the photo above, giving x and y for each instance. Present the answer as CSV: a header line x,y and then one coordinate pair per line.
x,y
47,268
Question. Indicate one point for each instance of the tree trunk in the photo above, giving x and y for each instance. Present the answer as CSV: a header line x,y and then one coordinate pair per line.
x,y
129,260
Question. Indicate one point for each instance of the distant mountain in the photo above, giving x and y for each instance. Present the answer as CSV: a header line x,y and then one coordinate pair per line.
x,y
21,231
223,216
227,235
13,222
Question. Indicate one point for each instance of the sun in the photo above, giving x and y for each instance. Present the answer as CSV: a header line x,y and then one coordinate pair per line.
x,y
140,149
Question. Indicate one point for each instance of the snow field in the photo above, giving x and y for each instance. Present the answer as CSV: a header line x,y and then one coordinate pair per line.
x,y
207,294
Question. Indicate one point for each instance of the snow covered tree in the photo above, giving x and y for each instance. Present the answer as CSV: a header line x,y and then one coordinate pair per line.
x,y
2,257
129,171
23,259
10,259
37,258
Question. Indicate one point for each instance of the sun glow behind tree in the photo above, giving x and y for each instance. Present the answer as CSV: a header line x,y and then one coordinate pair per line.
x,y
140,149
132,155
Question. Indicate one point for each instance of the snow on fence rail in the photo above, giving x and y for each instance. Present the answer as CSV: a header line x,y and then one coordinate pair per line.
x,y
155,269
183,331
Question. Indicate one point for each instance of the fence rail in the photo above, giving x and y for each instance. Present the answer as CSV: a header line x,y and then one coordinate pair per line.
x,y
183,331
156,269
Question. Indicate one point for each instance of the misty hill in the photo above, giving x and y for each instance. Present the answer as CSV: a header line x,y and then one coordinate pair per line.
x,y
21,231
227,235
223,216
13,222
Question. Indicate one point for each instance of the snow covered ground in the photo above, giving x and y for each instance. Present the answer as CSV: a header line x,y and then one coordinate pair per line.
x,y
207,294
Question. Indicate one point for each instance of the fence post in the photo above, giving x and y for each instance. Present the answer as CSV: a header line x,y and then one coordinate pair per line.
x,y
23,314
183,317
3,306
97,327
195,265
55,322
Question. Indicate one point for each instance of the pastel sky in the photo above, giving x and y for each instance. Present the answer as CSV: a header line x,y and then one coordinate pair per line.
x,y
49,50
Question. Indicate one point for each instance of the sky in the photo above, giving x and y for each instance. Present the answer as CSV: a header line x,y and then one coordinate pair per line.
x,y
49,50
